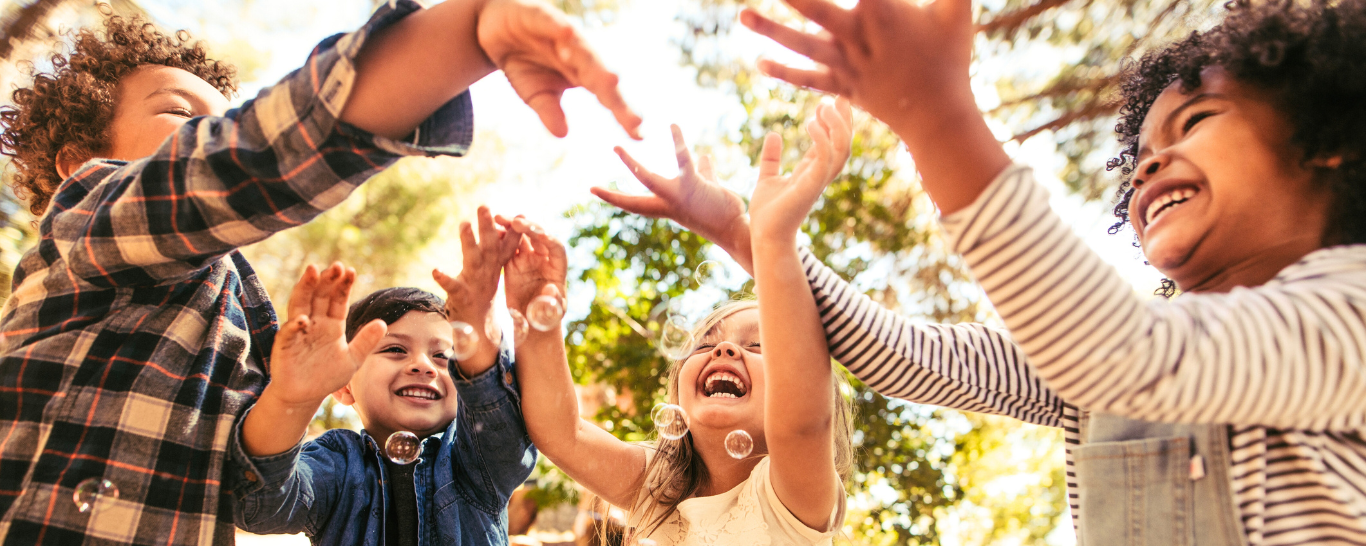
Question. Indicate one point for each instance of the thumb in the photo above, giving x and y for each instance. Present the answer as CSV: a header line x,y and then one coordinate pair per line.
x,y
365,340
546,104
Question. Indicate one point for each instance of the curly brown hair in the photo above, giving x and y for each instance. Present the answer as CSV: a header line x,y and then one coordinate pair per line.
x,y
1311,56
71,108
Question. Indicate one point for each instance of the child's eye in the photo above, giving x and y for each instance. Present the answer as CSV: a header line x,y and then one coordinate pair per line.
x,y
704,347
182,112
754,347
443,355
394,349
1194,119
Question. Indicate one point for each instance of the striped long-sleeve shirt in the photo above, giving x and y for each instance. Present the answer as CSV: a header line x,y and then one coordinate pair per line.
x,y
137,333
1281,363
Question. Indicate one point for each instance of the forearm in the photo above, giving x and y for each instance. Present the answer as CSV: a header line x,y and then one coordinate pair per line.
x,y
953,149
407,71
273,426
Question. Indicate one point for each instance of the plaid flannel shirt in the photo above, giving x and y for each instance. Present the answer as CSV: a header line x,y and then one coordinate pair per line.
x,y
137,333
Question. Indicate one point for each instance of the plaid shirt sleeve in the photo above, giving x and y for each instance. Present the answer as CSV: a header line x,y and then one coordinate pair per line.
x,y
223,182
136,334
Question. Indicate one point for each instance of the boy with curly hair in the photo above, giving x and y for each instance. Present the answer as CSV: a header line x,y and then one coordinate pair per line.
x,y
137,334
1230,415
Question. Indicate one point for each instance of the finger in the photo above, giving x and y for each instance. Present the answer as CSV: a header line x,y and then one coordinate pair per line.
x,y
341,297
771,156
467,241
446,282
301,297
289,331
546,104
652,181
825,13
488,236
841,134
820,80
365,340
507,246
587,70
644,205
706,169
327,285
819,48
681,151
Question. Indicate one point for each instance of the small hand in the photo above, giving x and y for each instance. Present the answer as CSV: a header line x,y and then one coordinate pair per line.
x,y
890,57
693,199
469,295
542,56
781,203
540,262
311,357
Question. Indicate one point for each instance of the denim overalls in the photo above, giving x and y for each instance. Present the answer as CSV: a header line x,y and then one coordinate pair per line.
x,y
1142,483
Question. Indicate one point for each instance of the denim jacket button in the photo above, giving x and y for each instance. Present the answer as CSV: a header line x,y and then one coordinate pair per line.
x,y
507,377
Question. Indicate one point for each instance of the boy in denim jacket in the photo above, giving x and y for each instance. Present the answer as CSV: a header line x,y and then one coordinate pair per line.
x,y
347,488
137,334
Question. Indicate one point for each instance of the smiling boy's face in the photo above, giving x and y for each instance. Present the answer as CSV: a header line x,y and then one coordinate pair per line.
x,y
154,101
405,384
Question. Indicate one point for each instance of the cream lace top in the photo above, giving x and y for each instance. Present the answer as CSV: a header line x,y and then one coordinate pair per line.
x,y
750,513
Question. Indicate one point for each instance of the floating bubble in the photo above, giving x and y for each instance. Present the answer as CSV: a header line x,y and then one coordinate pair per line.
x,y
544,313
519,326
670,421
675,338
91,490
402,447
491,330
707,273
739,444
464,341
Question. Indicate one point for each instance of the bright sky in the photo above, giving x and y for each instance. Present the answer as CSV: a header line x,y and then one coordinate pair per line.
x,y
543,175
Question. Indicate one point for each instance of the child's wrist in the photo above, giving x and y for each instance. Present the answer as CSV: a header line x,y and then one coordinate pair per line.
x,y
272,399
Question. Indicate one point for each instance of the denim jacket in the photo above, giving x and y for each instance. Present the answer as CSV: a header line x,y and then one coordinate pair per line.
x,y
332,488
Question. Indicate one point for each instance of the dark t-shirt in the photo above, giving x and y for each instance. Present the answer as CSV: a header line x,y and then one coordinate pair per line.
x,y
401,519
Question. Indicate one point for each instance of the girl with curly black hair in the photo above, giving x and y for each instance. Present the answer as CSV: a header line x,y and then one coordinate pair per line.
x,y
1232,414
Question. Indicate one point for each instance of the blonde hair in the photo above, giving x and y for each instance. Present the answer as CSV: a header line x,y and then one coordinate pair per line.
x,y
675,472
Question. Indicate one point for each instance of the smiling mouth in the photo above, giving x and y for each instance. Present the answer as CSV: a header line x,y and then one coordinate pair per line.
x,y
724,384
1166,202
421,393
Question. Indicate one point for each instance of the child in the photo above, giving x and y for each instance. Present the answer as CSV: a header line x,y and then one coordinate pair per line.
x,y
349,488
759,368
1230,415
137,334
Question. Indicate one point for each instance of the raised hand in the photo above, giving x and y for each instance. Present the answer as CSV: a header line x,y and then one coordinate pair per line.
x,y
469,295
782,202
540,263
542,55
311,357
693,199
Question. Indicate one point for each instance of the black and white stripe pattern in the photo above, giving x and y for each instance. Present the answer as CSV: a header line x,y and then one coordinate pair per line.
x,y
1281,363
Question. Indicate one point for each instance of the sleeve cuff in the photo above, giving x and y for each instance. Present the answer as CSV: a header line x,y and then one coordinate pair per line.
x,y
448,131
253,473
962,227
490,388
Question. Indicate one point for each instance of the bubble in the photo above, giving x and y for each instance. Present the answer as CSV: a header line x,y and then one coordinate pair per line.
x,y
544,313
707,273
91,490
464,341
739,444
402,447
491,330
675,338
519,326
670,421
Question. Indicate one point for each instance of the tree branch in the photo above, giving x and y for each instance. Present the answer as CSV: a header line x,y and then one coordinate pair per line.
x,y
1013,19
23,25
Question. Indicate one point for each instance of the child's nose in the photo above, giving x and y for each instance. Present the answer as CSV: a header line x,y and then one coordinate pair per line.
x,y
422,365
725,348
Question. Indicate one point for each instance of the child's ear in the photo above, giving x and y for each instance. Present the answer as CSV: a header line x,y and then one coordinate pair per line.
x,y
343,396
68,160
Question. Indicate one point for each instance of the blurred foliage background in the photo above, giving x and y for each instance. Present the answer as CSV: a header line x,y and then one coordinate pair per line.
x,y
1044,69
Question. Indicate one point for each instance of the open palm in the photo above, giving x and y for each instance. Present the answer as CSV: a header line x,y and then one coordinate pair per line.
x,y
782,202
540,261
311,356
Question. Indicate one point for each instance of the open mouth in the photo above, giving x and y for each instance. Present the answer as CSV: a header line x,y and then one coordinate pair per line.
x,y
1163,203
724,384
418,392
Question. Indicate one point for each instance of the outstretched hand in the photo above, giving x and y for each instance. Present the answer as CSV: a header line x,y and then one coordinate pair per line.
x,y
782,202
540,263
469,295
694,199
311,357
542,55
